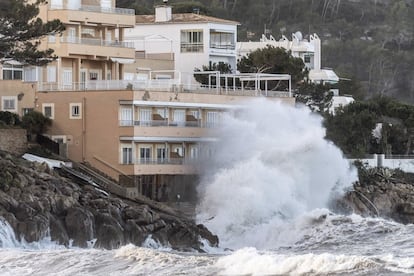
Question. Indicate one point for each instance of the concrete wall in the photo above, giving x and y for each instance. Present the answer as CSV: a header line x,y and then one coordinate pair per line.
x,y
379,160
13,140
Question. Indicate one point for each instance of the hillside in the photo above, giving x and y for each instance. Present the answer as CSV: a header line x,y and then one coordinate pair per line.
x,y
369,41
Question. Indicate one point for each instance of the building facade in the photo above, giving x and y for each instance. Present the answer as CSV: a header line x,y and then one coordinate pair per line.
x,y
196,40
151,139
308,50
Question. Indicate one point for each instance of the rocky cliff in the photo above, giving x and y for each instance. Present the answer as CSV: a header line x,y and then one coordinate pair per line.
x,y
381,192
38,202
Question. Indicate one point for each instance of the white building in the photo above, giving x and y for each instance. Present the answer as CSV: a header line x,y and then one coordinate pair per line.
x,y
308,50
194,39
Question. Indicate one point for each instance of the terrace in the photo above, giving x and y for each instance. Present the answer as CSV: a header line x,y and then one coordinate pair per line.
x,y
245,84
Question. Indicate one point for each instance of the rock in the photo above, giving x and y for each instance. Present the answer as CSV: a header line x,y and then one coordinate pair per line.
x,y
37,202
80,226
33,228
58,231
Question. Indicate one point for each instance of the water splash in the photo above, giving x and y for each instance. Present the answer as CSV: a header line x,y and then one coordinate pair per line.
x,y
272,164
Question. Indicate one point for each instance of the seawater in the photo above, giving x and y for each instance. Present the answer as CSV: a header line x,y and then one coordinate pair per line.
x,y
265,193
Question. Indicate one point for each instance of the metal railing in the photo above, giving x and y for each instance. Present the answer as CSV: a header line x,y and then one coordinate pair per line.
x,y
191,47
89,8
96,42
161,85
166,123
223,46
166,161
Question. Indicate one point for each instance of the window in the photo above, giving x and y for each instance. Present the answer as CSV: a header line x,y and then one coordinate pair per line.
x,y
222,40
125,116
212,118
161,155
9,103
51,74
93,76
307,59
26,110
163,112
51,38
145,155
12,72
194,152
75,111
30,73
179,117
191,41
145,116
126,155
48,110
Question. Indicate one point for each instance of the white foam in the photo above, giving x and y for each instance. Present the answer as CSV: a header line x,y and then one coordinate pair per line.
x,y
272,164
248,261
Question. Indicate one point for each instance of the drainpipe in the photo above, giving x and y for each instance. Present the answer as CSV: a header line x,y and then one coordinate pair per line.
x,y
83,128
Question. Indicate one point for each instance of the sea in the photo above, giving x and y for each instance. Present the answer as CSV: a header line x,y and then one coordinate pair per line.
x,y
266,192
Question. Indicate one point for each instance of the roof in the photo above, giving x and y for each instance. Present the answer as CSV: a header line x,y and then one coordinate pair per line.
x,y
183,18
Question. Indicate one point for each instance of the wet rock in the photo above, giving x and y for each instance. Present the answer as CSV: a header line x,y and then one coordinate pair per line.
x,y
37,202
80,226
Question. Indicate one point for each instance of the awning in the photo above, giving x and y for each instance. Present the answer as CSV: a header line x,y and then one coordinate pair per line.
x,y
123,60
12,62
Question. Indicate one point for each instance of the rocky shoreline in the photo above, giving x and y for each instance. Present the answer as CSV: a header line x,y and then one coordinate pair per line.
x,y
37,202
381,192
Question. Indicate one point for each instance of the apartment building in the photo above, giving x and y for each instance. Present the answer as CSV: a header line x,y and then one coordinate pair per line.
x,y
149,137
308,50
196,40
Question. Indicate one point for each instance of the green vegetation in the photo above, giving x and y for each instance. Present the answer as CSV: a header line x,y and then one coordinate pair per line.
x,y
21,31
8,119
35,123
352,127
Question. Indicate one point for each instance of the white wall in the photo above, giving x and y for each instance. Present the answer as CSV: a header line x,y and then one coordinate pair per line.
x,y
186,62
379,160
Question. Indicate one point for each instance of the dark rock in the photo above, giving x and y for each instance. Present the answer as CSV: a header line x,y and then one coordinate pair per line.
x,y
80,226
37,202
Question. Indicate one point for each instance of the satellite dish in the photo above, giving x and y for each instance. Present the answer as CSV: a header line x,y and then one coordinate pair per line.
x,y
298,35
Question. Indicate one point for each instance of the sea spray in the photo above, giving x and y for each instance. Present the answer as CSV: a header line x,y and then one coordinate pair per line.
x,y
271,164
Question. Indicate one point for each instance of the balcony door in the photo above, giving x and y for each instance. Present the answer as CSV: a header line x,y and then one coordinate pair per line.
x,y
56,4
106,4
74,4
82,79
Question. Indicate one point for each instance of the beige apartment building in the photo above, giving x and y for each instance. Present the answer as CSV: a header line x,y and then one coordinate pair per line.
x,y
149,138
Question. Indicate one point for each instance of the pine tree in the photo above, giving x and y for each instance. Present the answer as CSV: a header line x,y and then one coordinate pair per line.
x,y
21,32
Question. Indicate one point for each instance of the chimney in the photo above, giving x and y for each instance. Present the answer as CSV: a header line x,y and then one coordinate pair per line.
x,y
163,13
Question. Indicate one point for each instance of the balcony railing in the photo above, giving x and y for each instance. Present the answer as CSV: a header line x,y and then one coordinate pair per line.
x,y
191,47
93,9
96,42
166,123
223,46
166,161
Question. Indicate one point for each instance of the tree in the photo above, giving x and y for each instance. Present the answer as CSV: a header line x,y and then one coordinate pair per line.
x,y
36,123
21,32
9,119
273,60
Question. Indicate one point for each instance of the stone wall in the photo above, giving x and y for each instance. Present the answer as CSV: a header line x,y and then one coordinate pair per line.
x,y
13,140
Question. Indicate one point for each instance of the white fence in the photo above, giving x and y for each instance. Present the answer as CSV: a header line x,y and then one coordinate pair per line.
x,y
402,162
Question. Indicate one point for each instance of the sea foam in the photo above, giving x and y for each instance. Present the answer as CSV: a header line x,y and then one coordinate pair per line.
x,y
271,164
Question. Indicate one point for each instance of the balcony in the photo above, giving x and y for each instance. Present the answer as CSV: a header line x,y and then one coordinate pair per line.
x,y
166,123
94,47
192,47
93,14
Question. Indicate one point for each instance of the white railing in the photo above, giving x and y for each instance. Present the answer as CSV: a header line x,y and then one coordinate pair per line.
x,y
167,123
96,42
93,9
158,85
